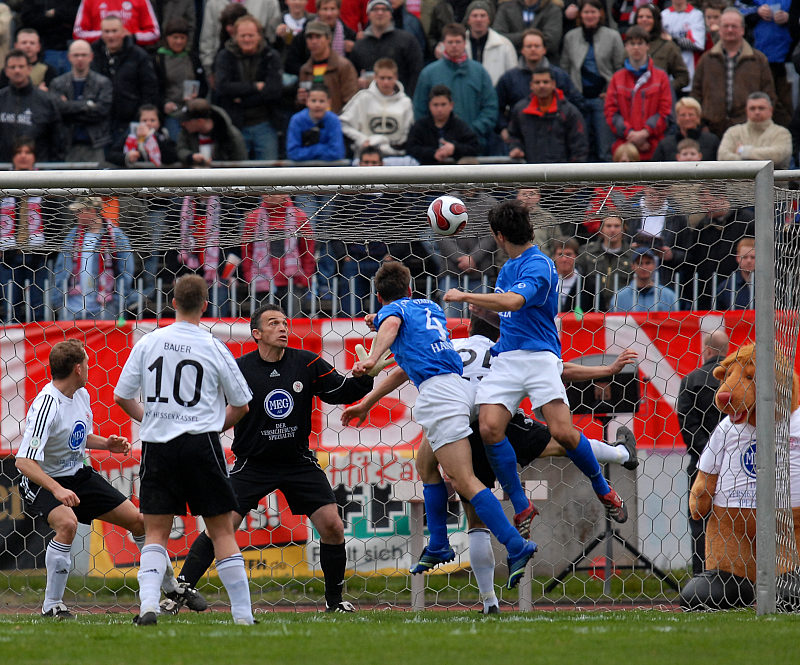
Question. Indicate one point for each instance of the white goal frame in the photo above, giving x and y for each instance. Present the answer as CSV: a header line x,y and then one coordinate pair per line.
x,y
208,181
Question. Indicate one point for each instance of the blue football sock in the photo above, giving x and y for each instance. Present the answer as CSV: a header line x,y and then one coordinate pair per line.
x,y
436,511
491,513
584,459
504,464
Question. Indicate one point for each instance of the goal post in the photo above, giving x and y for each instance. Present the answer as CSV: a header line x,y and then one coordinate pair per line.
x,y
746,183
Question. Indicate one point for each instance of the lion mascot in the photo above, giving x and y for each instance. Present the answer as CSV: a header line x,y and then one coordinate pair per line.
x,y
725,492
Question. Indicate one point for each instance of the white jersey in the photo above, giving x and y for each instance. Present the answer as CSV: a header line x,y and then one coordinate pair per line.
x,y
691,26
184,375
476,356
731,455
56,428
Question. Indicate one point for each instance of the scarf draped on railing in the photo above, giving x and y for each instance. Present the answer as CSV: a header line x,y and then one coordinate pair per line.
x,y
199,244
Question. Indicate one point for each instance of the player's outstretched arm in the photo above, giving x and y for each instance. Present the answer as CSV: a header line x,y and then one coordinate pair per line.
x,y
397,377
33,471
114,443
496,302
383,341
130,406
575,372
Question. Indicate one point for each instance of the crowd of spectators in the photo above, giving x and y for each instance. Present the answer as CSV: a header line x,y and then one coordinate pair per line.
x,y
158,83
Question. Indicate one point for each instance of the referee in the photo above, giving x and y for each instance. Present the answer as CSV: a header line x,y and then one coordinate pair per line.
x,y
185,376
271,447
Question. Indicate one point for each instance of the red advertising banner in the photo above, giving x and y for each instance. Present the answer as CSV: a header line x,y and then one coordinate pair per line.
x,y
668,345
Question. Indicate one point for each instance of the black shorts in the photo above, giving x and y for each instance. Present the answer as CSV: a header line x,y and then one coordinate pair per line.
x,y
528,438
191,469
97,496
304,485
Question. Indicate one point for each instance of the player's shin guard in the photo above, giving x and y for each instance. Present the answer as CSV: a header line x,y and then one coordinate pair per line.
x,y
491,513
504,464
198,560
233,576
333,561
584,459
168,582
57,561
435,496
481,559
152,565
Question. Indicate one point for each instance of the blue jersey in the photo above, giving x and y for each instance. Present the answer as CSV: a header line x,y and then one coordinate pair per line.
x,y
422,347
533,328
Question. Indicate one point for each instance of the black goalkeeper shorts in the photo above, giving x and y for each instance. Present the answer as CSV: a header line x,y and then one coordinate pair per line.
x,y
304,484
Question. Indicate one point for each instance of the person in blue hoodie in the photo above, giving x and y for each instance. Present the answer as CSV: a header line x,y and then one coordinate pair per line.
x,y
315,133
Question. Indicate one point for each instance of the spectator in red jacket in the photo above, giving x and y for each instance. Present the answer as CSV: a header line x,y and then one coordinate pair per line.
x,y
137,16
275,253
639,98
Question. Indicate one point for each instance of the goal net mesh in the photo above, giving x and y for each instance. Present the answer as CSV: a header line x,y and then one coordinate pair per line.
x,y
654,267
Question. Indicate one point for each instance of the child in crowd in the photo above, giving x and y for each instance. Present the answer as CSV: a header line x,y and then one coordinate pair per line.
x,y
315,133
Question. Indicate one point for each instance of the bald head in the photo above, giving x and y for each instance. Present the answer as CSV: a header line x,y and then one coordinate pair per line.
x,y
715,344
80,57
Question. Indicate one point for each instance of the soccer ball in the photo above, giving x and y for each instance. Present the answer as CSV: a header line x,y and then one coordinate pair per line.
x,y
447,215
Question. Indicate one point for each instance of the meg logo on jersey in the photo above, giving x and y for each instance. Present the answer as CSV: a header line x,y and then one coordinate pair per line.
x,y
278,404
78,436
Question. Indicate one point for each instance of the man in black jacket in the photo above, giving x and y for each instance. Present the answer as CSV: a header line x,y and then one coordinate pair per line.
x,y
207,134
697,417
26,111
382,39
84,99
442,137
546,128
249,81
271,447
130,69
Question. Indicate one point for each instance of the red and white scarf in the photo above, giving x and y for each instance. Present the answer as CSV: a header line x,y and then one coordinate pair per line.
x,y
148,149
272,260
105,282
9,208
199,244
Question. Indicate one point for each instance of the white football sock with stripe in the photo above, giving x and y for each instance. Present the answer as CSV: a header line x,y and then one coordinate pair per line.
x,y
168,583
152,565
608,453
481,559
234,577
57,561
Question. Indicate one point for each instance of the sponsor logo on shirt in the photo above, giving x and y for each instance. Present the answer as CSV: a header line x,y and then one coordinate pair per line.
x,y
748,460
78,436
278,403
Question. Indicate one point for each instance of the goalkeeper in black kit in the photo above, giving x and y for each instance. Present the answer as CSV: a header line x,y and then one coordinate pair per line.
x,y
271,447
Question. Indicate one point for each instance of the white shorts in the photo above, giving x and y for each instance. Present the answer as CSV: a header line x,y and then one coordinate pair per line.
x,y
515,375
444,409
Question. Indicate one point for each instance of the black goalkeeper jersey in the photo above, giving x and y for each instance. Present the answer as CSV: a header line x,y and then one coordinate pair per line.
x,y
277,427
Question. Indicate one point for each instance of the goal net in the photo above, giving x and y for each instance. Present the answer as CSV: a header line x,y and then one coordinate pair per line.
x,y
656,258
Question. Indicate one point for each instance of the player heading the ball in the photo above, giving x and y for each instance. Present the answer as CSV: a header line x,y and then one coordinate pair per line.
x,y
528,355
416,332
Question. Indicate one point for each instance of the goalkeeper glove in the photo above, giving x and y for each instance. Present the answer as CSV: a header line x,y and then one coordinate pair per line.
x,y
382,362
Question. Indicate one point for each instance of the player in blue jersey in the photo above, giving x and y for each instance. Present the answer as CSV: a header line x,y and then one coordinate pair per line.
x,y
528,356
416,332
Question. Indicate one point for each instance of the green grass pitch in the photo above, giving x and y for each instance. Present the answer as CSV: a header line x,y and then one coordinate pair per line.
x,y
633,637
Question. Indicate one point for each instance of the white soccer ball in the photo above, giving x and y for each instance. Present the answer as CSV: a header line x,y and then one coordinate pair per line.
x,y
447,215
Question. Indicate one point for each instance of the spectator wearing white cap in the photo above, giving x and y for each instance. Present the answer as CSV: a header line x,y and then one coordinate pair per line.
x,y
382,40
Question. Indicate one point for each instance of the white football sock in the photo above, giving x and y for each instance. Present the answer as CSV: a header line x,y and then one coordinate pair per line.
x,y
234,577
57,561
481,559
607,453
152,566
